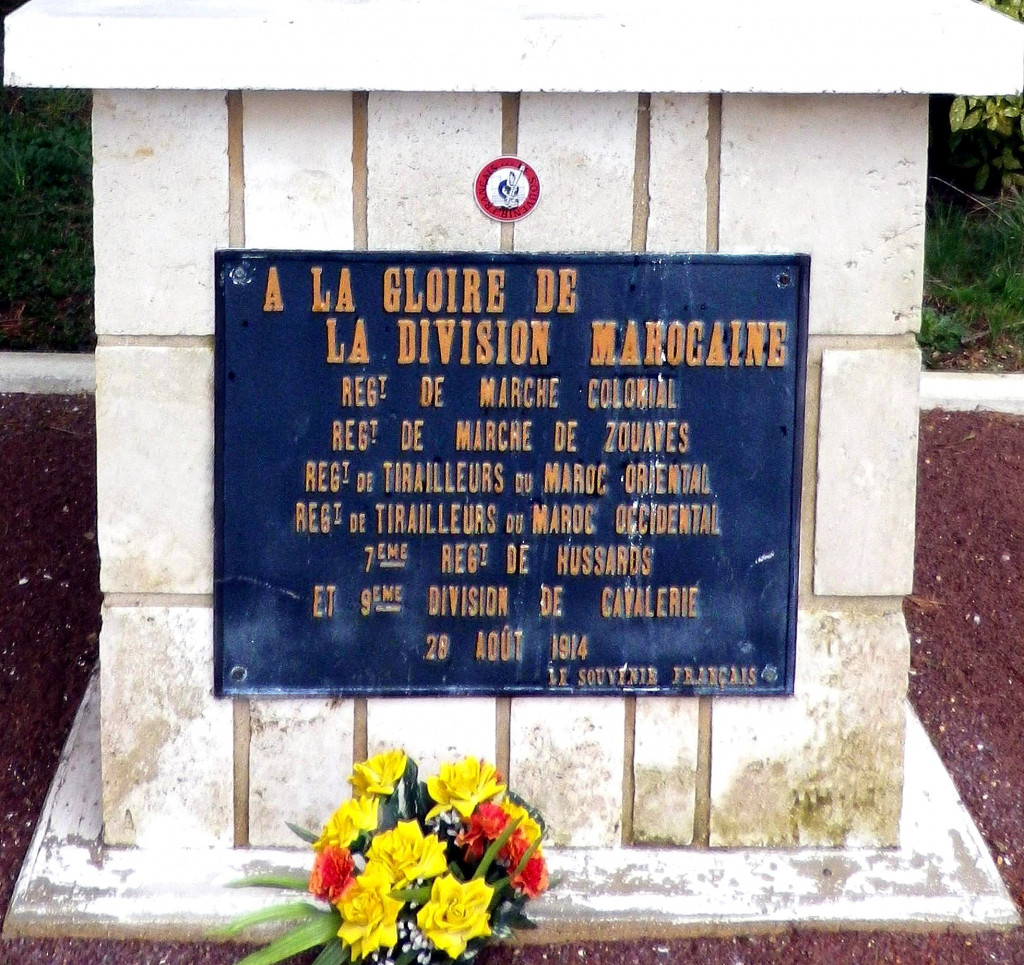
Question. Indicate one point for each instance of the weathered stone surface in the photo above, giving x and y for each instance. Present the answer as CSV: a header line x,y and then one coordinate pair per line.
x,y
824,767
423,152
582,147
154,442
677,184
664,770
300,757
842,178
567,758
166,741
567,754
867,472
160,189
298,169
432,730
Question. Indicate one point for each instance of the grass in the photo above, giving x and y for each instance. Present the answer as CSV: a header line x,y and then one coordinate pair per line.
x,y
974,281
46,269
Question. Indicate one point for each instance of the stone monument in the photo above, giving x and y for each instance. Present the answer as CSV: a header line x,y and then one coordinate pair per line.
x,y
348,129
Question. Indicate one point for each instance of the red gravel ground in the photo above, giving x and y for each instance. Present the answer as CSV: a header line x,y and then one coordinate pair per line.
x,y
966,618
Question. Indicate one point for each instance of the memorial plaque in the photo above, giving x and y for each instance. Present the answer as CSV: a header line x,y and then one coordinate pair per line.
x,y
459,473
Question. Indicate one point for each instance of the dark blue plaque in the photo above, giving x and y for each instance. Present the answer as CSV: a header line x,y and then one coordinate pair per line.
x,y
448,473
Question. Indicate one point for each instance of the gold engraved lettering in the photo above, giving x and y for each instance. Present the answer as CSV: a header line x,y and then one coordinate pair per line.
x,y
323,600
357,354
493,435
505,644
481,342
654,436
632,393
361,391
386,598
272,301
563,518
495,289
776,344
620,678
462,600
666,478
434,477
463,557
516,392
724,676
667,519
575,479
694,344
646,602
569,646
436,519
616,559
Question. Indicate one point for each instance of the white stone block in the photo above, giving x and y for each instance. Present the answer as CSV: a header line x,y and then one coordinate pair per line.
x,y
432,730
160,208
824,767
567,758
842,178
582,147
297,154
166,740
154,443
677,186
867,472
423,154
300,758
664,770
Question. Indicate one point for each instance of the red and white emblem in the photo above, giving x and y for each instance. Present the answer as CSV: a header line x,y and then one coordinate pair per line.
x,y
507,189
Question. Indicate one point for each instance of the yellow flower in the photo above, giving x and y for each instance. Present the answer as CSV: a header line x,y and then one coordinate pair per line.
x,y
369,913
463,786
345,825
407,854
456,913
527,824
379,774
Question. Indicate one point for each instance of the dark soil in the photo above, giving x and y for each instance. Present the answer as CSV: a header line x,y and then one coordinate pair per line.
x,y
966,618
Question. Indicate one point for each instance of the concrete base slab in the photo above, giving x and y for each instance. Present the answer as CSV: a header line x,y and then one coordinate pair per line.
x,y
970,392
46,372
941,876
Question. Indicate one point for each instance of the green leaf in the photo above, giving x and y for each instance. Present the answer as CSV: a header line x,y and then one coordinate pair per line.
x,y
971,120
492,852
289,912
291,882
981,177
334,953
406,957
318,931
406,792
418,895
957,113
308,836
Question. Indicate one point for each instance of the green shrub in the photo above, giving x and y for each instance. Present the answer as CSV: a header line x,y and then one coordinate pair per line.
x,y
987,133
46,272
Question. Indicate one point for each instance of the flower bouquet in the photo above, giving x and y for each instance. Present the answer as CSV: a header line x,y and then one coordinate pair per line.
x,y
409,871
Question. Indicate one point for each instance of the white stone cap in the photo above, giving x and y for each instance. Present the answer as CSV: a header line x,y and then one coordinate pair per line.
x,y
769,46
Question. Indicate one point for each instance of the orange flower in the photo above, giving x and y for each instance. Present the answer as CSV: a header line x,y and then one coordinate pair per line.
x,y
332,875
513,850
485,824
532,881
